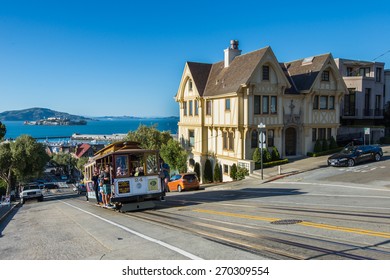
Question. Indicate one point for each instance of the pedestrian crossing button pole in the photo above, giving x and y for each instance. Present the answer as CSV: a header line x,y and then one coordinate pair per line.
x,y
262,145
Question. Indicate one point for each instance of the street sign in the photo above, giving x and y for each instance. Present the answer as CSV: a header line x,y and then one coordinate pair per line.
x,y
367,131
262,137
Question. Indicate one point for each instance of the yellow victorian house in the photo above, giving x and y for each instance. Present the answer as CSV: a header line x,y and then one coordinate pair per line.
x,y
222,105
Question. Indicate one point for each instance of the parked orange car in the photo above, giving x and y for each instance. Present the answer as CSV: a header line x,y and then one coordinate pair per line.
x,y
185,181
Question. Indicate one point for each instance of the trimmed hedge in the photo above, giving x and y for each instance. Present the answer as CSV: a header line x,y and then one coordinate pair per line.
x,y
385,140
328,152
271,163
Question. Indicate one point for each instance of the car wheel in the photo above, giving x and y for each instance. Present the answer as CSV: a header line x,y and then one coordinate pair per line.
x,y
351,162
377,157
179,188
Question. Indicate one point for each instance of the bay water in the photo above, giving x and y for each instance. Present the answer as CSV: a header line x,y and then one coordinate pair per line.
x,y
104,127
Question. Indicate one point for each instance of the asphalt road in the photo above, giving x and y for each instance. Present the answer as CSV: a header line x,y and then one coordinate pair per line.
x,y
328,213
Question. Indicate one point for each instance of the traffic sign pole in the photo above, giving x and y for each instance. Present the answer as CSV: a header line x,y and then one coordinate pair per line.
x,y
261,127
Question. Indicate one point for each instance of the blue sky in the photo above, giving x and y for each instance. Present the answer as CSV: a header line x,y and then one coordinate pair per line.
x,y
117,58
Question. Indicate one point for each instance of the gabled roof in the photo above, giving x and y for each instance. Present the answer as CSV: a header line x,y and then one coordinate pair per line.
x,y
304,72
216,79
229,79
82,149
200,73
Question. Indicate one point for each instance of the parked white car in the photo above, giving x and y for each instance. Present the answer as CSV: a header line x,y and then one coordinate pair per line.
x,y
31,192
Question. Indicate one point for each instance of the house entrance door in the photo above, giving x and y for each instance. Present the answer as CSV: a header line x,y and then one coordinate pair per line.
x,y
291,141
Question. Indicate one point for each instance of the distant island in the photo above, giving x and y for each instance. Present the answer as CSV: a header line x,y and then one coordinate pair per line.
x,y
37,114
33,115
56,121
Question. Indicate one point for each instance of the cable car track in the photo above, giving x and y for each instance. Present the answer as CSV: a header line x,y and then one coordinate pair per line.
x,y
265,243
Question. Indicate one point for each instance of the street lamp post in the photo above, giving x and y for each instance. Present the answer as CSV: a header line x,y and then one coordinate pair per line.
x,y
261,127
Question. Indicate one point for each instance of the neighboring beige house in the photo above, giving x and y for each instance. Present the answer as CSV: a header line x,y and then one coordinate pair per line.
x,y
222,104
387,87
363,105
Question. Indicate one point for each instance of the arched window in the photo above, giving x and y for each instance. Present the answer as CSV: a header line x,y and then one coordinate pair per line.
x,y
254,139
189,82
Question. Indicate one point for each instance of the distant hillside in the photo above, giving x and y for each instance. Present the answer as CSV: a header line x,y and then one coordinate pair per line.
x,y
34,114
133,117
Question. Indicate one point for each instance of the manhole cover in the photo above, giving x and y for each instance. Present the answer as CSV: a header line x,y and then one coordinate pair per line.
x,y
286,222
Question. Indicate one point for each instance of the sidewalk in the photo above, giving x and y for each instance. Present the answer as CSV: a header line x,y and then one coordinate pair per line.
x,y
298,165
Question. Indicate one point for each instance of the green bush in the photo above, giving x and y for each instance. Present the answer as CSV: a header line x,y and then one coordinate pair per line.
x,y
271,164
208,172
275,154
332,143
384,140
217,173
256,155
197,169
318,146
242,172
233,171
325,145
266,155
328,152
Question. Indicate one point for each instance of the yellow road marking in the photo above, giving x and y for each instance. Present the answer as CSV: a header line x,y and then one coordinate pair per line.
x,y
307,224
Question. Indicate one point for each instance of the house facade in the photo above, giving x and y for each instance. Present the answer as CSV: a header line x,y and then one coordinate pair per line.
x,y
222,105
364,103
387,87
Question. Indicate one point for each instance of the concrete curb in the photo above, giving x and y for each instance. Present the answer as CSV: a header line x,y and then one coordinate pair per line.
x,y
5,212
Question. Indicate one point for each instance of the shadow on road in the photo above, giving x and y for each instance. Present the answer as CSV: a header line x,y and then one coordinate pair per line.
x,y
201,197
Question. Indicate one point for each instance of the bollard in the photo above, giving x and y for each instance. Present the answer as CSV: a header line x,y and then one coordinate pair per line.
x,y
279,170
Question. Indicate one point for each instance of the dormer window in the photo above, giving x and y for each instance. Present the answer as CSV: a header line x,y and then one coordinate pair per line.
x,y
189,84
325,76
265,73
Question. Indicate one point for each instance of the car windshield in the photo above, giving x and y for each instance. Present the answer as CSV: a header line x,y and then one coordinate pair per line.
x,y
30,188
348,151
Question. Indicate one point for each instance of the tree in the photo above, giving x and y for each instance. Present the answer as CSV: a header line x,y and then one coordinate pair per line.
x,y
81,162
233,171
25,158
208,171
149,137
3,131
66,161
174,155
217,173
6,163
197,169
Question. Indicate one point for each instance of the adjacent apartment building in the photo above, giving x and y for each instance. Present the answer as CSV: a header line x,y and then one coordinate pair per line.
x,y
364,104
222,104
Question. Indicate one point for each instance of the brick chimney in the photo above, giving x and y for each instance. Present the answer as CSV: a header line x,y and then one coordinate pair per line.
x,y
231,52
